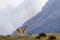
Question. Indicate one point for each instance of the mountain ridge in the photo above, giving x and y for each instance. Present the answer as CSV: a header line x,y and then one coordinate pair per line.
x,y
43,17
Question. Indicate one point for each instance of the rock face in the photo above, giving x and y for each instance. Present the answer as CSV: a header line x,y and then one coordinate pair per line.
x,y
47,21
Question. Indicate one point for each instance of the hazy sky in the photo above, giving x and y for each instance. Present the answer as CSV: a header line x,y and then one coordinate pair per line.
x,y
14,3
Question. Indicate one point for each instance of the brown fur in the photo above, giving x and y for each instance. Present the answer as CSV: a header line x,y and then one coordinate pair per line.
x,y
21,30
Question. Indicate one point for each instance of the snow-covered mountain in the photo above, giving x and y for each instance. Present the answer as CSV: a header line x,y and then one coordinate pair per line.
x,y
47,20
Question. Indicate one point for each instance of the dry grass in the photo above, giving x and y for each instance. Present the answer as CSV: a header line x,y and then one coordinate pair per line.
x,y
28,37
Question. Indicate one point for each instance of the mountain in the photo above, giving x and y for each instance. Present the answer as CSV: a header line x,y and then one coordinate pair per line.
x,y
47,20
27,10
12,18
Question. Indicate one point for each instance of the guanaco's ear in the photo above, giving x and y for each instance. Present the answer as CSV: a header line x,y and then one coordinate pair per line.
x,y
16,29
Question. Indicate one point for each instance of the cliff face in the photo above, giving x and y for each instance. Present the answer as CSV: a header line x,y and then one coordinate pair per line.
x,y
48,20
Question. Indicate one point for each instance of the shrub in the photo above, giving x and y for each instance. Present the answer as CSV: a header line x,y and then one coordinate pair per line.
x,y
8,35
52,38
42,35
